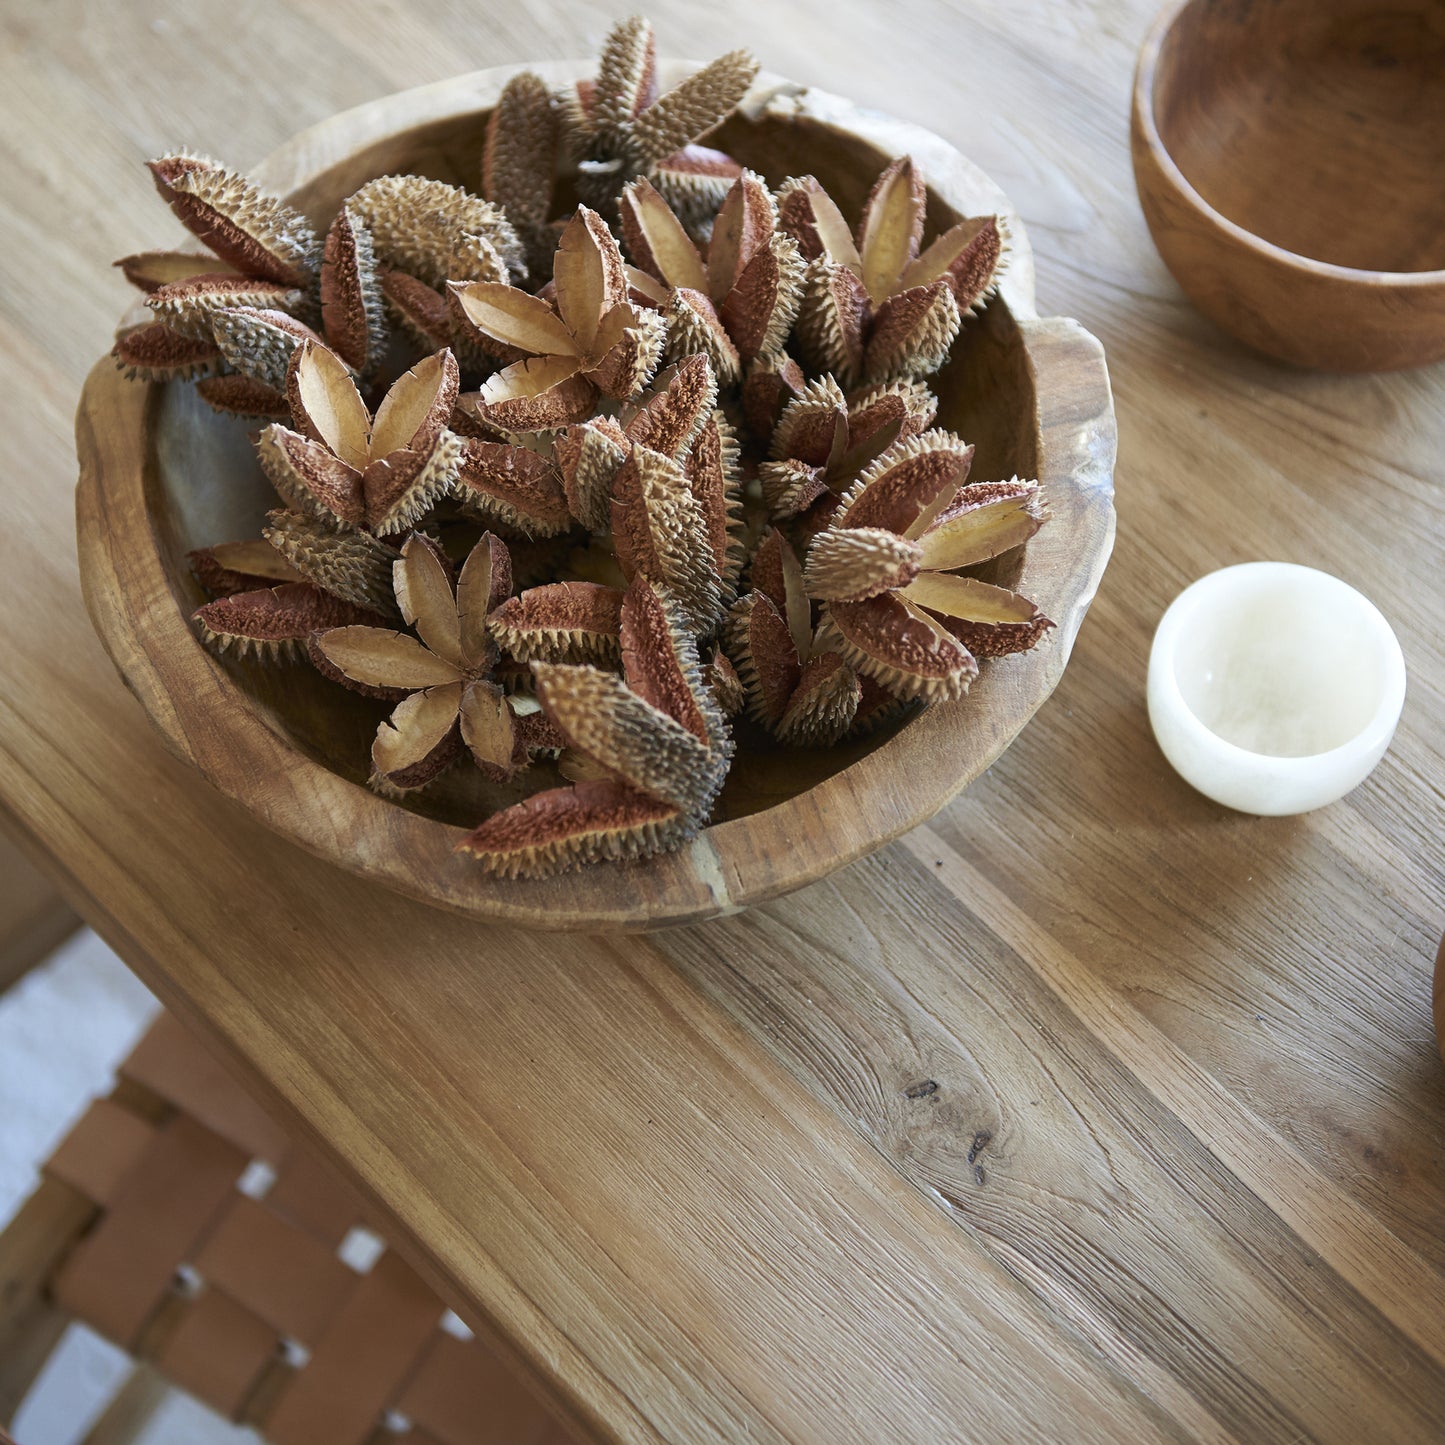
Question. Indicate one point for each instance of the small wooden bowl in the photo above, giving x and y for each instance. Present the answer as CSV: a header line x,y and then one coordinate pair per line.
x,y
1289,161
160,474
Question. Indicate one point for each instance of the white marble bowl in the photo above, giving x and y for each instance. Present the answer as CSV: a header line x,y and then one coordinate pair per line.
x,y
1274,689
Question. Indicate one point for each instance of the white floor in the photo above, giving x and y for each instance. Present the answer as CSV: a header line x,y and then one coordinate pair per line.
x,y
63,1028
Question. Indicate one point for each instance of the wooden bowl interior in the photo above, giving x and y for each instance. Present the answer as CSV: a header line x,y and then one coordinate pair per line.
x,y
206,487
1317,125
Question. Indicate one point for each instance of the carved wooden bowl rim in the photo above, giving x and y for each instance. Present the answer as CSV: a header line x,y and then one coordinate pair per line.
x,y
207,719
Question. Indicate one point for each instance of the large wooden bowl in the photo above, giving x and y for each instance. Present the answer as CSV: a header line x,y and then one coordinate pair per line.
x,y
160,475
1289,162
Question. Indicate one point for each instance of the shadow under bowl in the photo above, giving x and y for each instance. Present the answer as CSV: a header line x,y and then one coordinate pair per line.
x,y
1288,157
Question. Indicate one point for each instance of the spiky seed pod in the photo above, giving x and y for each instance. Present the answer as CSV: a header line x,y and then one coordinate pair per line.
x,y
599,715
726,686
518,161
904,401
274,622
416,744
618,127
810,216
189,307
352,310
789,488
349,564
310,478
776,572
770,384
743,299
890,228
530,397
156,353
694,182
256,233
659,531
847,564
823,704
909,484
564,828
1020,632
683,398
589,456
436,232
513,487
899,646
594,339
692,108
451,700
712,472
971,258
693,327
912,333
832,320
874,307
661,665
149,270
236,395
560,622
626,73
260,343
403,487
231,567
982,521
989,621
421,313
762,650
628,365
759,312
814,425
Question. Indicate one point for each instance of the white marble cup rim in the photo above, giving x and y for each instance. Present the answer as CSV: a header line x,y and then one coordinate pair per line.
x,y
1170,713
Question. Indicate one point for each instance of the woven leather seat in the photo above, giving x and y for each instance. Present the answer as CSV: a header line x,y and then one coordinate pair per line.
x,y
178,1221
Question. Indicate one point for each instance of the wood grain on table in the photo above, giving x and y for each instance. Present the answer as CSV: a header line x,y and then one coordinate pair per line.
x,y
1089,1111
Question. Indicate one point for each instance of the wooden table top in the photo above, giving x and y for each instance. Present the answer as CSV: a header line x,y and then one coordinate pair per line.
x,y
1090,1111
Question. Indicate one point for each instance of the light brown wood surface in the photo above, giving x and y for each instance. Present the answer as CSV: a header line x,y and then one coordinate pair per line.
x,y
34,919
1182,1175
1289,160
162,474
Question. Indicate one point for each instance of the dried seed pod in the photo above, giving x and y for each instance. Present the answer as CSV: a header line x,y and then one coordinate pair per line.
x,y
823,704
620,128
513,487
274,622
155,352
599,715
560,622
595,340
240,396
564,828
352,310
872,307
189,307
257,234
350,564
900,646
847,564
230,567
259,343
436,232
